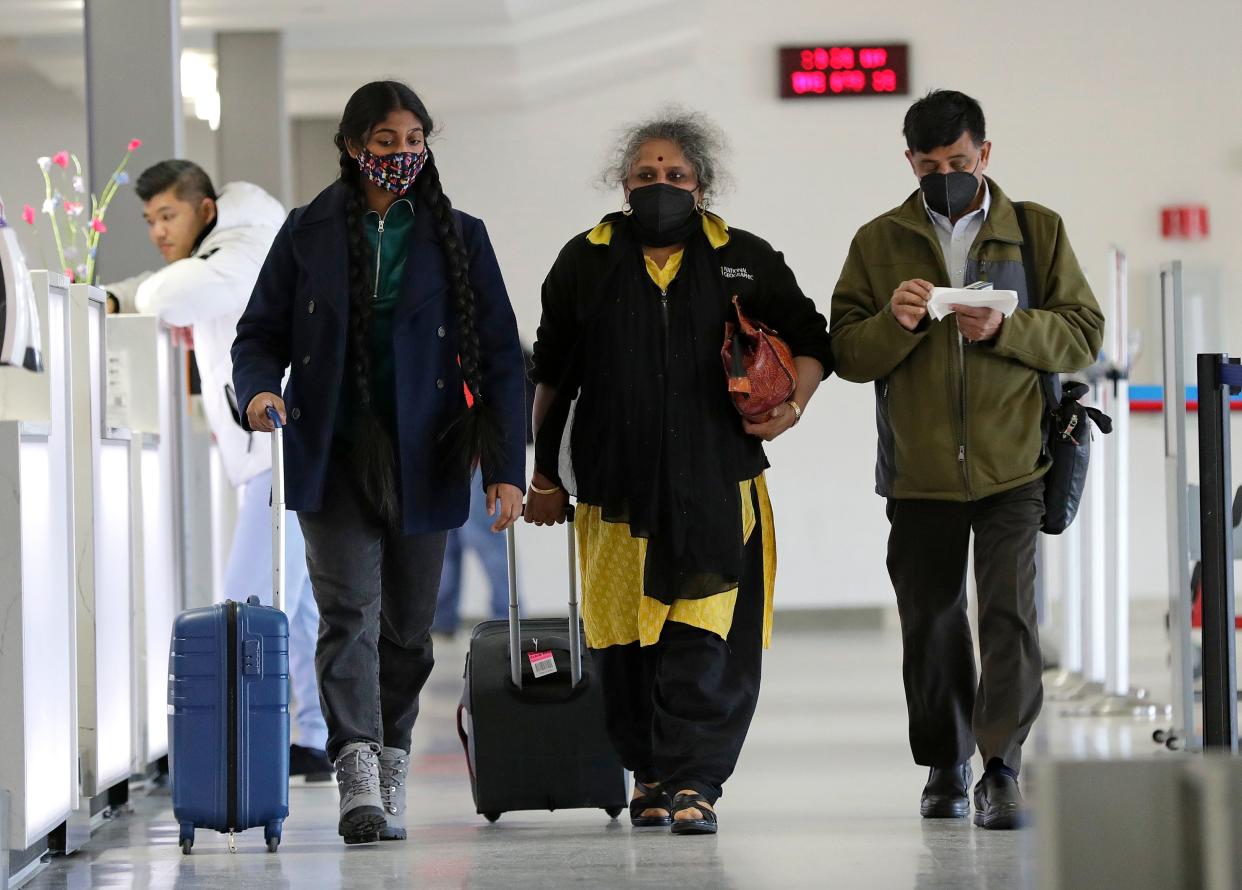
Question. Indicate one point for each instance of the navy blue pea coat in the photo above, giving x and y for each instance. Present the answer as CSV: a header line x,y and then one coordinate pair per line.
x,y
298,316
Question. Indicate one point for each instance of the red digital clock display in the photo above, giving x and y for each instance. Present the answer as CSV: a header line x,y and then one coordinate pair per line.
x,y
836,70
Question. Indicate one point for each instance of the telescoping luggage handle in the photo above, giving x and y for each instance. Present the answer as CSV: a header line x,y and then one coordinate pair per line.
x,y
278,510
515,633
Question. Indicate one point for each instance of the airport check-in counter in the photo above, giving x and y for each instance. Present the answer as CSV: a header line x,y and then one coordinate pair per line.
x,y
100,457
38,692
141,397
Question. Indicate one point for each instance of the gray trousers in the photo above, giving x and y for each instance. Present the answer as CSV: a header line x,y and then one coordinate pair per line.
x,y
376,592
927,553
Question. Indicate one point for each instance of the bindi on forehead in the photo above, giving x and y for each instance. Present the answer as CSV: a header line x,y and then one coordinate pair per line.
x,y
661,158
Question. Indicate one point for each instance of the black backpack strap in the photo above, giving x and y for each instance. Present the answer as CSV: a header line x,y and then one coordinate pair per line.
x,y
1034,297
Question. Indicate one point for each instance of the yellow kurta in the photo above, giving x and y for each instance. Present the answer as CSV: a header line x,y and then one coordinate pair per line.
x,y
614,609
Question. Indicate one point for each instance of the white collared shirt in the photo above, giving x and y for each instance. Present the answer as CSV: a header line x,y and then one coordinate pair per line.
x,y
956,238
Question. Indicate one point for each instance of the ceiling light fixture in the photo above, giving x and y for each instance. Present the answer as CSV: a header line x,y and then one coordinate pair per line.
x,y
198,86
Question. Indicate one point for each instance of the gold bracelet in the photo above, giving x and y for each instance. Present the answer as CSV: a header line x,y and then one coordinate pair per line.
x,y
797,409
552,490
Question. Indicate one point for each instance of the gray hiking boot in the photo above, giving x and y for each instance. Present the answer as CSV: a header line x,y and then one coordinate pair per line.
x,y
362,806
394,765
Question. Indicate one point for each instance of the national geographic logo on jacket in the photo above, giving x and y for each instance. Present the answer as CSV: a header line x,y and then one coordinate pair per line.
x,y
735,272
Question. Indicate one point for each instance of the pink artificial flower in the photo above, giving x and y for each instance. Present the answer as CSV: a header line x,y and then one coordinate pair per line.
x,y
69,275
98,225
134,144
74,208
61,159
28,214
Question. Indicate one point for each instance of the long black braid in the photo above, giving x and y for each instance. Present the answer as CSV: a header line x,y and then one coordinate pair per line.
x,y
372,457
474,433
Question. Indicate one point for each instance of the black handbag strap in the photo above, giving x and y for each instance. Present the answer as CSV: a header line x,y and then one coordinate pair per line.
x,y
1034,297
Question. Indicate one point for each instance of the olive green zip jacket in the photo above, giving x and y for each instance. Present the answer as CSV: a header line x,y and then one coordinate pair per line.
x,y
959,421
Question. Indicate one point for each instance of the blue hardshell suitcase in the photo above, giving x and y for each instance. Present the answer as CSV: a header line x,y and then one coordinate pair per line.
x,y
228,706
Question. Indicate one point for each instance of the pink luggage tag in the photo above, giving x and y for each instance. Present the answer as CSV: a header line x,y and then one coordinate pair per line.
x,y
542,663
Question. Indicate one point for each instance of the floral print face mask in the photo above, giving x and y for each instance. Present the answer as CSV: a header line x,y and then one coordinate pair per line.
x,y
395,172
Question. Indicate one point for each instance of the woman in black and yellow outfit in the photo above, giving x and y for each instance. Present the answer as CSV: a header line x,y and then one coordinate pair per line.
x,y
674,525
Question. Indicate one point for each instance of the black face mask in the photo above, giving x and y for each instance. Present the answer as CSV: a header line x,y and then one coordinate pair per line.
x,y
663,214
949,194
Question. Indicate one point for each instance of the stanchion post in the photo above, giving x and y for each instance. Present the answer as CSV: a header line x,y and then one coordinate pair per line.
x,y
1216,373
1112,601
1071,596
1118,443
1096,556
1064,683
1183,733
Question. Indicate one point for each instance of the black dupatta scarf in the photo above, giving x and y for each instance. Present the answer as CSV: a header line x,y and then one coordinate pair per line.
x,y
653,439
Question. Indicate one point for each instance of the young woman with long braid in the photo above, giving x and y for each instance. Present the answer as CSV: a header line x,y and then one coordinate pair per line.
x,y
406,373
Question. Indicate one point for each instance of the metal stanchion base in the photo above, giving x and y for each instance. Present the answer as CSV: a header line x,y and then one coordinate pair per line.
x,y
1083,690
1134,704
1059,683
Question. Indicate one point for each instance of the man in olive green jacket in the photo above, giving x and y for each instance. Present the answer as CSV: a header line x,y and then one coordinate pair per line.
x,y
959,410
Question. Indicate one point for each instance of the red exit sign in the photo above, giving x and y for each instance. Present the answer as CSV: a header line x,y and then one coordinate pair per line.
x,y
844,70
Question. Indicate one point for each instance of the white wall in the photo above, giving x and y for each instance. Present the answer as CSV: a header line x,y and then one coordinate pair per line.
x,y
314,162
39,120
1104,111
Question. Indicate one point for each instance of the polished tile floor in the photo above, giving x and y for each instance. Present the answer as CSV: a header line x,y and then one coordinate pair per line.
x,y
825,796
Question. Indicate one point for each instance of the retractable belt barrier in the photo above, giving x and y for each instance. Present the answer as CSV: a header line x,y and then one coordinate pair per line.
x,y
1218,375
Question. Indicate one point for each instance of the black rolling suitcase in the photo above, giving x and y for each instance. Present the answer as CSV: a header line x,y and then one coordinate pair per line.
x,y
532,715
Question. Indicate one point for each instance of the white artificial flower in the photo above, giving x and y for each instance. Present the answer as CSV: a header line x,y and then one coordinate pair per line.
x,y
44,163
49,206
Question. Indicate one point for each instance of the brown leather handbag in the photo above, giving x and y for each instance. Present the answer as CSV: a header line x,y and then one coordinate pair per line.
x,y
759,365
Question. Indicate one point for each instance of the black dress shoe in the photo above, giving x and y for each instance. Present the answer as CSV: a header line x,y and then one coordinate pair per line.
x,y
946,794
998,802
311,763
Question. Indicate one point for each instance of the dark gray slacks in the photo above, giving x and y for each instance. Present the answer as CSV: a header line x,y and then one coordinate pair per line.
x,y
376,591
927,558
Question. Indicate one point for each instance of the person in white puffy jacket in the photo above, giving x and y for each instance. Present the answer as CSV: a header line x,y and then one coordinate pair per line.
x,y
214,246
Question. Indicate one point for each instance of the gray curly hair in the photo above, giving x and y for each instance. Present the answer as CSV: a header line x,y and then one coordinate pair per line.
x,y
698,136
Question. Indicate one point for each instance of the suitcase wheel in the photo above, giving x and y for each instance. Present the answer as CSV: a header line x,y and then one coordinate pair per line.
x,y
272,835
614,812
186,838
491,817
